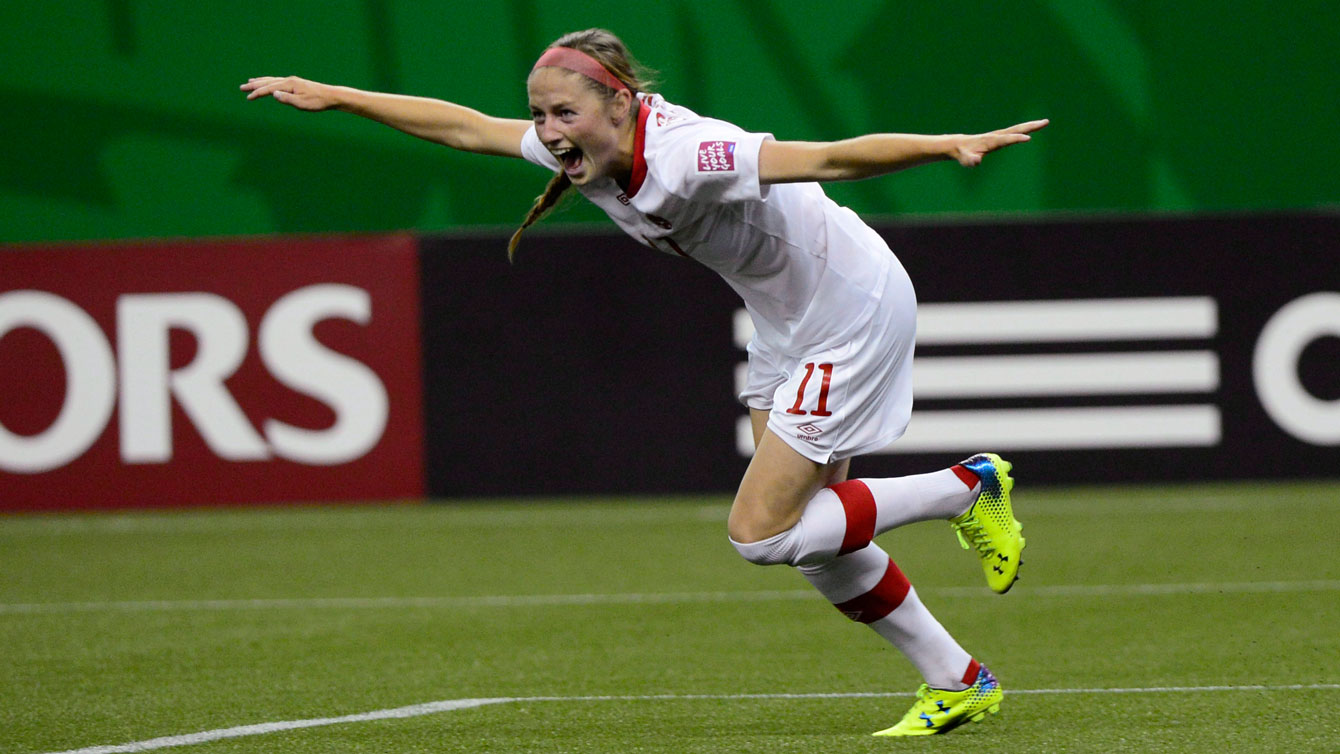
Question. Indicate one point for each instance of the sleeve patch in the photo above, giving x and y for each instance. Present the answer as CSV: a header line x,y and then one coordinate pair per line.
x,y
716,156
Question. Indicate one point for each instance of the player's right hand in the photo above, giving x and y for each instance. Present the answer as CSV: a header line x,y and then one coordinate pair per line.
x,y
291,90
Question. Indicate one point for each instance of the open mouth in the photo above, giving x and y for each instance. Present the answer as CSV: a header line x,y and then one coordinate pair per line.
x,y
571,159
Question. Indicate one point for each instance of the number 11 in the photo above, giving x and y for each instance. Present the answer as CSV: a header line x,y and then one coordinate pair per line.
x,y
822,409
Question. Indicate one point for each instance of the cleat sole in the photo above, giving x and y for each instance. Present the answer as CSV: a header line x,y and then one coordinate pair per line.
x,y
980,716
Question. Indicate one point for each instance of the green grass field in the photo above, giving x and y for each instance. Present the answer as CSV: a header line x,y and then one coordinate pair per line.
x,y
1150,619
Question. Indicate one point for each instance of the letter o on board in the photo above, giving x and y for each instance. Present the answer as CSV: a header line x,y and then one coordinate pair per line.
x,y
90,378
1275,368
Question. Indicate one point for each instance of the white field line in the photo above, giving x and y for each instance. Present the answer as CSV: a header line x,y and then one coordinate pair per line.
x,y
415,710
663,598
448,705
450,517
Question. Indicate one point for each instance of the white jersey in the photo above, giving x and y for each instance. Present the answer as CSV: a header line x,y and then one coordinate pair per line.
x,y
813,276
807,269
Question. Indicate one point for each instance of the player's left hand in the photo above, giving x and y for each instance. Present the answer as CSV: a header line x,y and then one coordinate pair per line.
x,y
970,149
291,90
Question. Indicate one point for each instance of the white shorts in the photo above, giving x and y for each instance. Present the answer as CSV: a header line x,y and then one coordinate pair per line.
x,y
841,400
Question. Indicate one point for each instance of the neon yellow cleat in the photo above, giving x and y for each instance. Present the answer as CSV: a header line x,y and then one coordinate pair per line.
x,y
989,525
940,711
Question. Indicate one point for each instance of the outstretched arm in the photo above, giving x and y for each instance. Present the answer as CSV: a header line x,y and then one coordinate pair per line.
x,y
442,122
877,154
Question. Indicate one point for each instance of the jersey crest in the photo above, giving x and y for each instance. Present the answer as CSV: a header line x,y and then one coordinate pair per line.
x,y
716,156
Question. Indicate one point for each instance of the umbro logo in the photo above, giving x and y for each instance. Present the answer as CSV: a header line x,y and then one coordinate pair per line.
x,y
809,432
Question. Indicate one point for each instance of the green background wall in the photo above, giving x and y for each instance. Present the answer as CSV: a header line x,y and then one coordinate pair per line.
x,y
123,118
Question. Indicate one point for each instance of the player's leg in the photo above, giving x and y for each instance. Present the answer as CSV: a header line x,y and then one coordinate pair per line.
x,y
794,505
868,587
865,585
973,495
794,510
777,485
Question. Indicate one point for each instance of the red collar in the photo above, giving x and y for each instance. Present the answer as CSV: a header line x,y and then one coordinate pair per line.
x,y
639,143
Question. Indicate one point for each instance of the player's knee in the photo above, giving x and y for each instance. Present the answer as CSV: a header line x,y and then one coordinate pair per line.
x,y
774,550
759,533
747,528
752,519
757,539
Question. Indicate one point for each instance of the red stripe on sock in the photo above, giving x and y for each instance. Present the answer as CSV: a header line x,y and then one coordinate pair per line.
x,y
970,677
965,476
887,595
859,505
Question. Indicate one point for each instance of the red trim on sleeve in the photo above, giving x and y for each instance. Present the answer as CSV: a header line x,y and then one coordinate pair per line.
x,y
639,161
859,504
887,595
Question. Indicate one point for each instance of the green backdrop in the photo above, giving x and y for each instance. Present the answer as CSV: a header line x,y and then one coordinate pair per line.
x,y
123,118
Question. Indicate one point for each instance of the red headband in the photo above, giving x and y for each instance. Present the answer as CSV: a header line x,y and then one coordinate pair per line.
x,y
580,62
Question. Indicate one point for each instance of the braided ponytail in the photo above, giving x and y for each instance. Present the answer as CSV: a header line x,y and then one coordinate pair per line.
x,y
553,192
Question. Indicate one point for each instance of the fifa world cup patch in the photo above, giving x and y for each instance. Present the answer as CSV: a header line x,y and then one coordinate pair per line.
x,y
716,156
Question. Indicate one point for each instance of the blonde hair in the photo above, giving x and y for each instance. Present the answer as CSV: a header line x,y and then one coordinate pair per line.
x,y
610,51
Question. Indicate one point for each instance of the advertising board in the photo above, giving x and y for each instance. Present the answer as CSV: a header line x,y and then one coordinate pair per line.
x,y
201,372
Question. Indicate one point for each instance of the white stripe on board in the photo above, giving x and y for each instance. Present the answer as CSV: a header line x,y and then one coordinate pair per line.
x,y
1069,374
741,377
1067,320
1049,321
744,436
1061,429
448,705
742,328
663,598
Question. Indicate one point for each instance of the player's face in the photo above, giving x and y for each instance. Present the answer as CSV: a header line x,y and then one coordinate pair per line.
x,y
589,134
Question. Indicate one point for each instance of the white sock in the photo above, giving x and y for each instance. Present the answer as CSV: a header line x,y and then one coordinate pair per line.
x,y
868,587
921,497
844,518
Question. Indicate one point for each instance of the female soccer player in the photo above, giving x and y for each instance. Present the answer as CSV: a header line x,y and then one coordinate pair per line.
x,y
833,310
